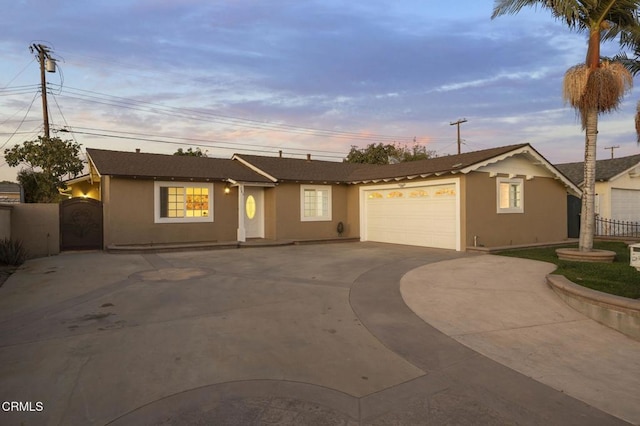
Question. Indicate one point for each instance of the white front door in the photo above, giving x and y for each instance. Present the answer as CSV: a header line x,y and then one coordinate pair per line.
x,y
254,212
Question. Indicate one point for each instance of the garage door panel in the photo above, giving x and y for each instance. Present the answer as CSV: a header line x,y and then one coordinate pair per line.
x,y
625,205
422,216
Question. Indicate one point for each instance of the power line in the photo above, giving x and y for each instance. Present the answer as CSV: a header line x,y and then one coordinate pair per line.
x,y
233,143
198,115
62,115
22,121
19,73
258,149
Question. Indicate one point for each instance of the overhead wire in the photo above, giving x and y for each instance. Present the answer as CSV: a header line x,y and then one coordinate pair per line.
x,y
260,149
22,121
100,98
20,72
199,115
233,143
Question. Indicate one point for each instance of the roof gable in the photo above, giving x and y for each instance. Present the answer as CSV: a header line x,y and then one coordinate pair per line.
x,y
433,166
606,170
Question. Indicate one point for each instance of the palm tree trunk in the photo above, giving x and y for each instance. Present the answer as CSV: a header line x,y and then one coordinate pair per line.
x,y
588,214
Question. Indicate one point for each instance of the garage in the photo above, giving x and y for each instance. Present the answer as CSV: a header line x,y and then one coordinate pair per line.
x,y
625,205
418,215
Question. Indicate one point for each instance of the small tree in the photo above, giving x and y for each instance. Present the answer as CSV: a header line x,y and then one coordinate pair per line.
x,y
387,154
191,152
47,161
416,152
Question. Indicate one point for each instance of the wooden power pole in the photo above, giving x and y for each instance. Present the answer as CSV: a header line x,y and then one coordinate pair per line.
x,y
46,61
612,148
458,123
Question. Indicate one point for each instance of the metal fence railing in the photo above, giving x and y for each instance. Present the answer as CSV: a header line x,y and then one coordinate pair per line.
x,y
616,228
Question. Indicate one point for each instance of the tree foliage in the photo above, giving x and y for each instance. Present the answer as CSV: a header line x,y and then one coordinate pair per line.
x,y
191,152
387,154
47,162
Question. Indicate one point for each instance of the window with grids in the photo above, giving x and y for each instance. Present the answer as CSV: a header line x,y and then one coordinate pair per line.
x,y
315,202
510,195
177,202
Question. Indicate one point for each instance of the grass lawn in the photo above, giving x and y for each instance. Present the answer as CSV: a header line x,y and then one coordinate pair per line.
x,y
615,278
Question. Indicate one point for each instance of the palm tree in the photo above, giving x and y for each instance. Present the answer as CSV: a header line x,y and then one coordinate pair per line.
x,y
593,87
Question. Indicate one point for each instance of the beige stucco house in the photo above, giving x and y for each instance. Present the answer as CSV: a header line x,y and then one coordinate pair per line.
x,y
617,186
501,196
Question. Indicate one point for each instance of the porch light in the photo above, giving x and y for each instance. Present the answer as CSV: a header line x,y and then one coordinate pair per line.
x,y
227,190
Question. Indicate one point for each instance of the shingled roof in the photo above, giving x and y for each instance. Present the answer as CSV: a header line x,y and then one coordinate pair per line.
x,y
605,169
291,169
300,170
161,166
260,169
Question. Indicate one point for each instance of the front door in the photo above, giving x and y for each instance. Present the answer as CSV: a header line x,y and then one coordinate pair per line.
x,y
254,212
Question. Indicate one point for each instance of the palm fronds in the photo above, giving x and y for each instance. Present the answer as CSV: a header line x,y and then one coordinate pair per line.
x,y
601,89
638,122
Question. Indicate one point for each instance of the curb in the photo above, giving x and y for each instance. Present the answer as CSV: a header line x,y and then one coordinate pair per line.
x,y
619,313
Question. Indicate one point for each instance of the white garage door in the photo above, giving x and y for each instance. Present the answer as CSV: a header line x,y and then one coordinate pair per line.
x,y
625,205
420,216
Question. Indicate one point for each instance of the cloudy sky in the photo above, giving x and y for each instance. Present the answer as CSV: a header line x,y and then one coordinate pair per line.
x,y
299,76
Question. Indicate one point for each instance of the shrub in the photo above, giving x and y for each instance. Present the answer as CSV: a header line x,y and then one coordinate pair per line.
x,y
12,252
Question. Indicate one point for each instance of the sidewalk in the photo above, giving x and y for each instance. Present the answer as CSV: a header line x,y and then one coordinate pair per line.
x,y
502,308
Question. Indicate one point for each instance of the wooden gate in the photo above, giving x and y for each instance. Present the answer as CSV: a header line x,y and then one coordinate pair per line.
x,y
80,224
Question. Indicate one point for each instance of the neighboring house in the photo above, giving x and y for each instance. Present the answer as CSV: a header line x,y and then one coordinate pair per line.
x,y
11,193
501,196
617,186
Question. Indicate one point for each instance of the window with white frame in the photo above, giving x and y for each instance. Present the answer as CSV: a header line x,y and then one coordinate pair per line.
x,y
510,195
315,202
180,202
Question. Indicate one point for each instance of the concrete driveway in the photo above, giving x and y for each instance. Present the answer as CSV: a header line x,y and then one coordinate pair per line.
x,y
313,334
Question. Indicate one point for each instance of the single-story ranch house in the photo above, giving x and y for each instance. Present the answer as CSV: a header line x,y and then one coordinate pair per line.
x,y
617,186
495,197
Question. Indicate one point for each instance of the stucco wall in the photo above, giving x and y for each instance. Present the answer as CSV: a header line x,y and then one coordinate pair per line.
x,y
37,225
284,204
270,213
544,218
129,216
352,224
5,221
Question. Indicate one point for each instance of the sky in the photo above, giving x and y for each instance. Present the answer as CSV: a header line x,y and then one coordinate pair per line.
x,y
303,76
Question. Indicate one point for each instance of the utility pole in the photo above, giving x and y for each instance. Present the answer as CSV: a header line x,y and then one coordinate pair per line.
x,y
612,148
46,61
458,123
